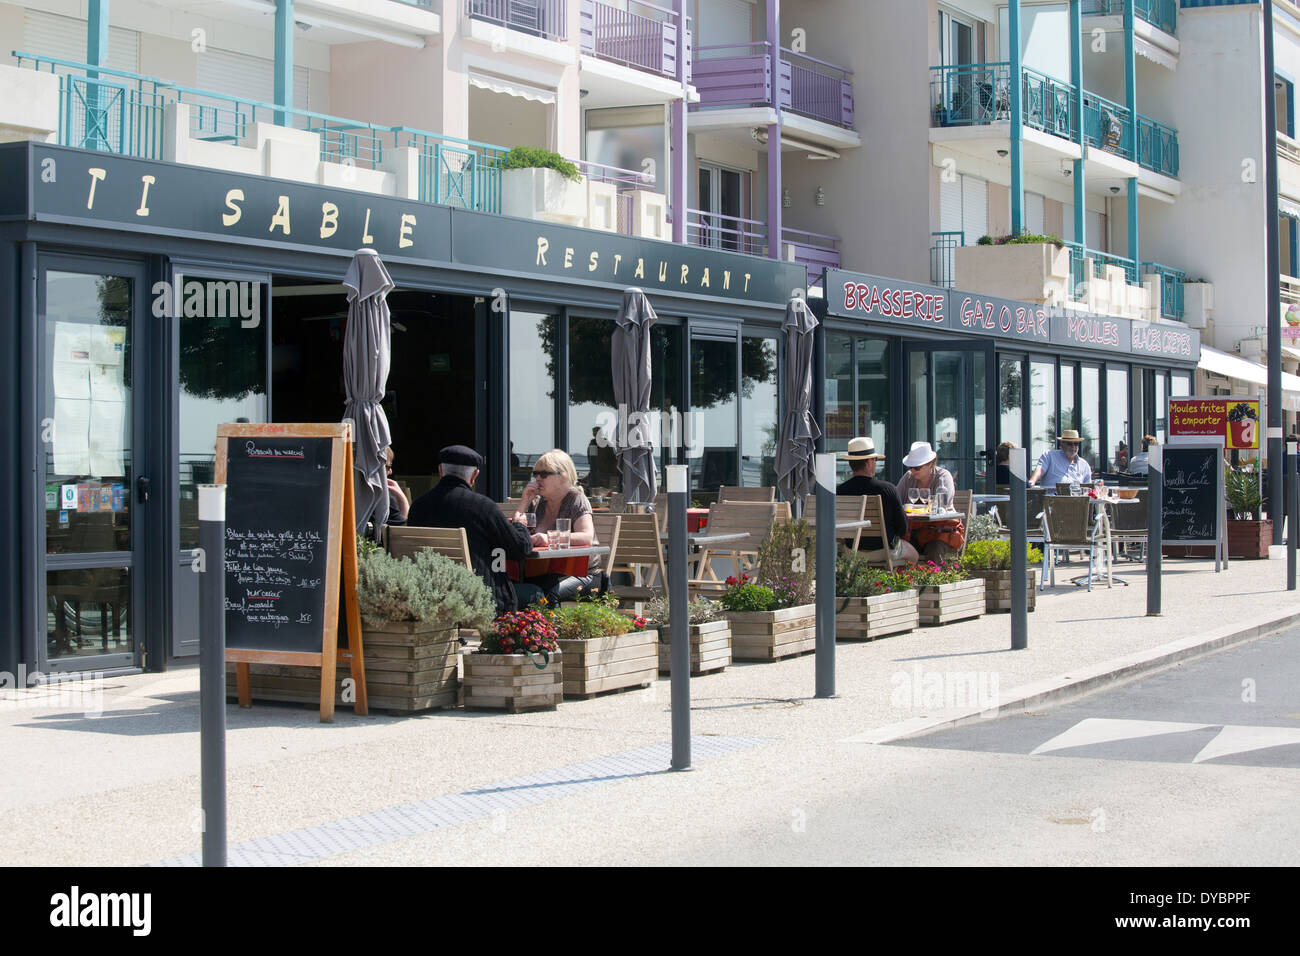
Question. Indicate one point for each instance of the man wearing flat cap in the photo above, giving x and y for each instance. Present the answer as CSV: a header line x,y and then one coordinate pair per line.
x,y
1063,464
453,503
862,458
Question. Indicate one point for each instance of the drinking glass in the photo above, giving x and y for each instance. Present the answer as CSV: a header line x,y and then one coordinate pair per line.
x,y
913,495
552,540
925,497
563,527
530,521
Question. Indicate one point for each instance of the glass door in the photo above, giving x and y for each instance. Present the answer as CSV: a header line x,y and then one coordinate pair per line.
x,y
947,405
721,198
97,492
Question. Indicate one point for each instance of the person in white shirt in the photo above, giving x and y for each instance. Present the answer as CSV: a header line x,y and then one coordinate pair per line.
x,y
1063,464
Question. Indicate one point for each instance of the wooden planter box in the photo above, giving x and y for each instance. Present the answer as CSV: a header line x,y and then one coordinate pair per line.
x,y
997,589
772,635
710,648
512,682
410,666
1249,539
610,663
867,618
944,603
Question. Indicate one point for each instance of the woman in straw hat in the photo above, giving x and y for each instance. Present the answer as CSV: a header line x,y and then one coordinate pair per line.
x,y
1063,464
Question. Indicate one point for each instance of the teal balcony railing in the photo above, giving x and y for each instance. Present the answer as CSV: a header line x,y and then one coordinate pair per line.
x,y
942,252
1099,262
119,112
1048,103
971,94
1158,13
1157,146
1171,288
1106,125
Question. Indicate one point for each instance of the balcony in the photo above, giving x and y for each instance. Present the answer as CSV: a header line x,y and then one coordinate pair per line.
x,y
1161,14
749,236
979,94
740,75
539,18
643,37
1288,167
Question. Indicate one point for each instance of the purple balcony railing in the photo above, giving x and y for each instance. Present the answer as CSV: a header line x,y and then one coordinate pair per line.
x,y
731,233
740,74
645,36
815,250
542,18
624,179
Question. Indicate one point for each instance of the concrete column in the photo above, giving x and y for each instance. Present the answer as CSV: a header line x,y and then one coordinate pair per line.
x,y
1130,77
774,134
1076,119
97,33
1017,120
679,172
1134,251
283,59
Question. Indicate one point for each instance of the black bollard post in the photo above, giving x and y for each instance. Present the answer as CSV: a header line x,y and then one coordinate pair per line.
x,y
825,472
679,651
212,671
1292,515
1019,545
1155,526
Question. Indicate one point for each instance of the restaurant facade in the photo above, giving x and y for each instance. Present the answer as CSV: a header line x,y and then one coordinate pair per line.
x,y
146,302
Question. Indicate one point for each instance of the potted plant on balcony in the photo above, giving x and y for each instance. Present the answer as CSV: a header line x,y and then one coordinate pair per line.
x,y
1029,267
539,184
946,592
990,560
518,666
870,602
708,630
772,615
1248,535
603,649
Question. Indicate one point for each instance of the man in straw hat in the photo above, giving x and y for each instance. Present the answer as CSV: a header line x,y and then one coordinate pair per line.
x,y
862,458
1063,464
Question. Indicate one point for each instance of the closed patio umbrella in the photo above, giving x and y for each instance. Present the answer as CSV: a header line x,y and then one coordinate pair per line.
x,y
367,354
630,366
796,444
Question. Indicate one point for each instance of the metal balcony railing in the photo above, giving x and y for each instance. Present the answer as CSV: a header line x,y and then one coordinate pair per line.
x,y
120,112
1100,260
731,233
814,250
942,252
1048,103
971,94
1288,148
1157,146
645,36
1106,125
1171,288
541,18
1158,13
740,74
422,4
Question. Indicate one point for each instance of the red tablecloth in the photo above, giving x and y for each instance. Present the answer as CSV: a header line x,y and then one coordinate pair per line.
x,y
697,519
534,567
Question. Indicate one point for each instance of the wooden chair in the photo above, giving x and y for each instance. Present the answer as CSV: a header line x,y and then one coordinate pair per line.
x,y
728,493
640,553
509,507
963,503
403,542
608,526
847,508
1068,525
752,518
873,510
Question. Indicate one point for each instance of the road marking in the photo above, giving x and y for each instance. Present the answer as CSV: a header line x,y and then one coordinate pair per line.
x,y
1100,730
1234,739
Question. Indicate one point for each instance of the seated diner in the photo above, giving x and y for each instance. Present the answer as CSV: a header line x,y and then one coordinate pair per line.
x,y
863,459
933,540
554,495
1063,464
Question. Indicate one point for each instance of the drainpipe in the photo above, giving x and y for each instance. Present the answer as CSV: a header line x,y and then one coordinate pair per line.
x,y
1017,116
774,134
679,170
283,60
1076,119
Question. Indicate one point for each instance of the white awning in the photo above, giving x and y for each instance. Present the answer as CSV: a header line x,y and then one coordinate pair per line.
x,y
1288,208
1244,370
498,84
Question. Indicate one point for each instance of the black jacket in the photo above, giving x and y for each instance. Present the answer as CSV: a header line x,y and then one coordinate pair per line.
x,y
454,504
895,515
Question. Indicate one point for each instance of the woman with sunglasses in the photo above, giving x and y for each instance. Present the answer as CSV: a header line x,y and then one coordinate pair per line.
x,y
554,493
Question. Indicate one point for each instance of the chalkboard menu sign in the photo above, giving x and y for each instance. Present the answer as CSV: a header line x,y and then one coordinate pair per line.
x,y
1193,494
290,542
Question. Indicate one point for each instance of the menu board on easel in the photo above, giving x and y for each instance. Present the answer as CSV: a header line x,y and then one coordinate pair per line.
x,y
1194,510
290,551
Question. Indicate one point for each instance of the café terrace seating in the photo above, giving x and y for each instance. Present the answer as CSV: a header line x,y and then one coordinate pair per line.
x,y
404,542
848,508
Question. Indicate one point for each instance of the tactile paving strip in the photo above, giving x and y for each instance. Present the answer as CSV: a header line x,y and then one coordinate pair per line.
x,y
394,823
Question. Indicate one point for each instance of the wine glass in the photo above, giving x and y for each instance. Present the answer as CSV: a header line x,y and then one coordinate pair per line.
x,y
925,498
530,521
913,495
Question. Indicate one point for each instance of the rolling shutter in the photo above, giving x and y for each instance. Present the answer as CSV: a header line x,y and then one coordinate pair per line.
x,y
974,208
1034,214
64,38
950,205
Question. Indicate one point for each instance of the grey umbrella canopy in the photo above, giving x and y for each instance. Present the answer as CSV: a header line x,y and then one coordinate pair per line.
x,y
630,365
367,354
796,444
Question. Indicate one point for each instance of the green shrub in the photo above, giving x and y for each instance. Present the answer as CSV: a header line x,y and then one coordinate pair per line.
x,y
1242,491
932,574
786,563
744,595
984,241
530,157
428,588
995,556
1024,239
981,528
701,611
855,577
592,617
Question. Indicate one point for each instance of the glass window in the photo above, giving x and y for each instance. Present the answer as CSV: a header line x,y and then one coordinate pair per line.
x,y
1042,406
1067,419
1011,399
839,393
981,413
532,398
88,612
89,462
1160,409
591,393
1090,413
667,395
873,395
1119,442
222,379
1180,384
632,139
947,409
713,428
758,411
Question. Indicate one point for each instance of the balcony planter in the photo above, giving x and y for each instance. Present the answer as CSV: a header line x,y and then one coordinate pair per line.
x,y
543,194
867,618
513,682
1028,272
772,635
613,662
944,603
997,589
710,647
1249,539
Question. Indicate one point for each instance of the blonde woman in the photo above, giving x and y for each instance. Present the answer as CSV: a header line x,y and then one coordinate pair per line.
x,y
552,494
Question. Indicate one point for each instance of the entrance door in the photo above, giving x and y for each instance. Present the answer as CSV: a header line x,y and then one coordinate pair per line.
x,y
947,405
98,510
222,320
721,201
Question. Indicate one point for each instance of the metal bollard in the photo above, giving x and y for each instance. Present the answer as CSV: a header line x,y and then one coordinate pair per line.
x,y
679,614
1292,517
212,672
1017,465
825,681
1155,526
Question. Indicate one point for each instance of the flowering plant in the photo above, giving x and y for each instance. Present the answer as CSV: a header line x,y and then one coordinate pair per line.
x,y
742,594
786,563
520,632
700,611
932,574
592,616
855,577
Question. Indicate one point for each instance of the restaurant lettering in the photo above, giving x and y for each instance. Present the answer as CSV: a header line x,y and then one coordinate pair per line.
x,y
634,267
1093,331
994,317
894,303
1161,341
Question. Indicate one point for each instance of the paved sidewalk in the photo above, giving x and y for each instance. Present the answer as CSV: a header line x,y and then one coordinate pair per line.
x,y
123,788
